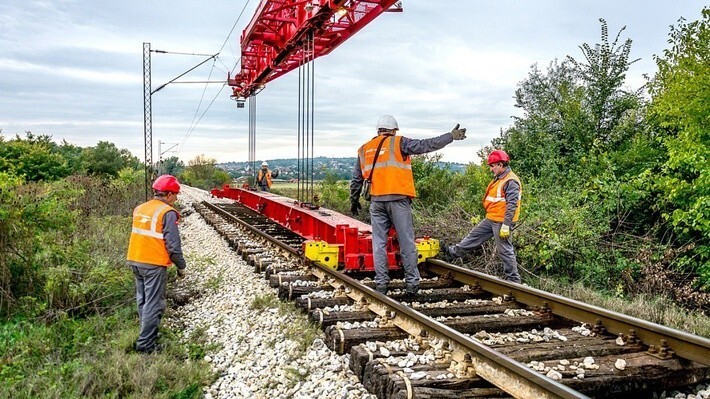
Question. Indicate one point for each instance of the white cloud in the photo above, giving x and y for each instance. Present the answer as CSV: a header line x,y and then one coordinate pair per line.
x,y
73,69
94,76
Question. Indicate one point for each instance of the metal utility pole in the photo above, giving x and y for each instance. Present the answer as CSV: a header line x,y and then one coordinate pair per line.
x,y
161,170
148,108
147,119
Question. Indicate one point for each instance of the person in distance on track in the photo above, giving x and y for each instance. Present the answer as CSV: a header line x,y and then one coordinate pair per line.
x,y
263,179
392,189
154,245
502,203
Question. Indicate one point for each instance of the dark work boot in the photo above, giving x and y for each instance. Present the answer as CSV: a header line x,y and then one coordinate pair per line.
x,y
412,290
147,351
381,288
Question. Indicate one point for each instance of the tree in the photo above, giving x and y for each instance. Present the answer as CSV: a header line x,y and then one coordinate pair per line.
x,y
74,157
604,74
105,159
34,158
173,166
551,134
202,172
680,111
577,115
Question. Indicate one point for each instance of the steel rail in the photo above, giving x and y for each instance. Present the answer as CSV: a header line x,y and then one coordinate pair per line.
x,y
684,345
253,229
500,370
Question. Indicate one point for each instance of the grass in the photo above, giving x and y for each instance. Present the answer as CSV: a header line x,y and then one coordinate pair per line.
x,y
299,329
266,301
66,356
92,358
656,309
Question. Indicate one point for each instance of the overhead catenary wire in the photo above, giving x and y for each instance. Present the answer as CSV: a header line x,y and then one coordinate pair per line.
x,y
236,62
197,110
179,53
216,57
198,121
213,56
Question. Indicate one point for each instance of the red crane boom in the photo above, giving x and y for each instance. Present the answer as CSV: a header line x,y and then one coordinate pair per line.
x,y
272,43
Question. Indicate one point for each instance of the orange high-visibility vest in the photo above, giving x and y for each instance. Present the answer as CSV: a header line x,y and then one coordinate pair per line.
x,y
393,172
147,244
268,177
494,200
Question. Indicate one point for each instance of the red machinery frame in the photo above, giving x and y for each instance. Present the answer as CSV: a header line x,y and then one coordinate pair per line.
x,y
272,43
352,237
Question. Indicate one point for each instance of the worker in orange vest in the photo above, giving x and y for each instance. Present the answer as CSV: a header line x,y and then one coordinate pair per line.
x,y
502,204
264,177
153,247
384,166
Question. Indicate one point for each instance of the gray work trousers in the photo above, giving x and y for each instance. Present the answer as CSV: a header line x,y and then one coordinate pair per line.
x,y
150,296
384,215
504,247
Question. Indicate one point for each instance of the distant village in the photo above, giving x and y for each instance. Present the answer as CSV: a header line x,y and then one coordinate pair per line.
x,y
338,168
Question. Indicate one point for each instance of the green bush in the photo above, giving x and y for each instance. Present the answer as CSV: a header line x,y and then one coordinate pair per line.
x,y
334,193
69,313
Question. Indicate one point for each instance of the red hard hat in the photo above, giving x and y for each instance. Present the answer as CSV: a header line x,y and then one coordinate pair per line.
x,y
167,183
498,156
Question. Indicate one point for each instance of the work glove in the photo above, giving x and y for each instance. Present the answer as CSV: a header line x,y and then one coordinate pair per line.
x,y
458,134
504,231
181,273
475,219
355,207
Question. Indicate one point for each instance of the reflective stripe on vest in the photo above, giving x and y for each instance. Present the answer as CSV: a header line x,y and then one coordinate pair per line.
x,y
147,243
494,200
394,172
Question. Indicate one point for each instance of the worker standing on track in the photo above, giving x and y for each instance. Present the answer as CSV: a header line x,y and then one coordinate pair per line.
x,y
154,245
502,204
389,175
264,177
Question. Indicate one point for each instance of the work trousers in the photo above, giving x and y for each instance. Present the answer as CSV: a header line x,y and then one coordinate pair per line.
x,y
504,247
384,215
150,296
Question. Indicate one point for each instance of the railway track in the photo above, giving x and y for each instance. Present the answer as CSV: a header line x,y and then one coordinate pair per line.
x,y
467,334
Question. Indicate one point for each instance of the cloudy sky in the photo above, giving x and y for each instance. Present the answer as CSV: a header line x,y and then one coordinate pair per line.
x,y
73,69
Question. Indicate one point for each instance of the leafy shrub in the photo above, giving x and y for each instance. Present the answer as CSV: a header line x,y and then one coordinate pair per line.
x,y
335,194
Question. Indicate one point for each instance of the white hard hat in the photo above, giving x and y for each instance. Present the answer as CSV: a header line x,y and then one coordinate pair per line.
x,y
264,163
387,122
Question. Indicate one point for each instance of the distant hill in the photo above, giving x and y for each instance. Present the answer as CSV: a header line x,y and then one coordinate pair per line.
x,y
288,168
